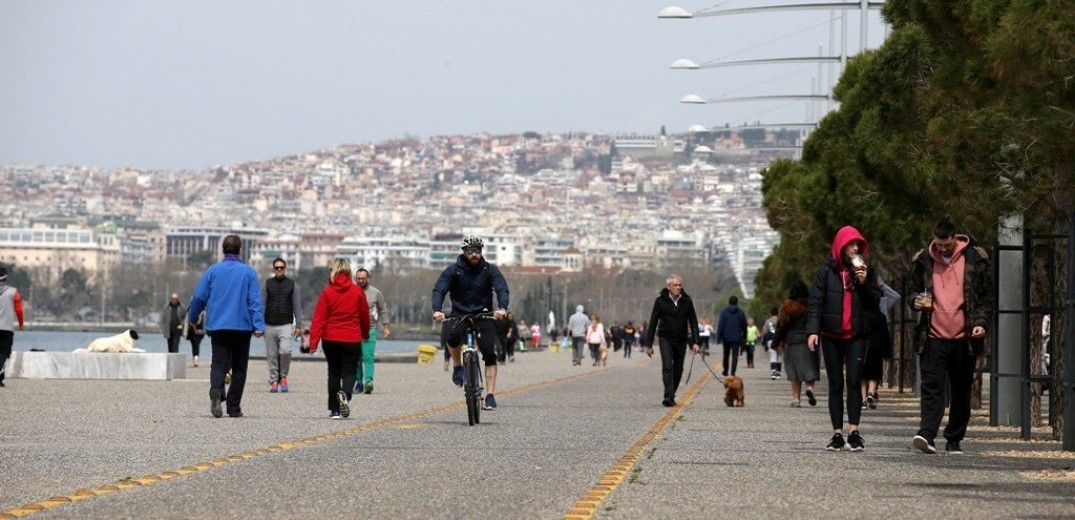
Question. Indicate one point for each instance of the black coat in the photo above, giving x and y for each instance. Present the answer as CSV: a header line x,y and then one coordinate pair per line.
x,y
826,305
676,323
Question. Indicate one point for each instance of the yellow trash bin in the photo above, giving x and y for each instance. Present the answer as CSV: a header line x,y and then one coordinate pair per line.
x,y
553,347
426,353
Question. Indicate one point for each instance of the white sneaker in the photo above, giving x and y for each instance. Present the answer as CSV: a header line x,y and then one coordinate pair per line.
x,y
195,361
345,408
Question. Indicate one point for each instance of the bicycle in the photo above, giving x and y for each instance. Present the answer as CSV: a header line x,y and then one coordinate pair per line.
x,y
472,375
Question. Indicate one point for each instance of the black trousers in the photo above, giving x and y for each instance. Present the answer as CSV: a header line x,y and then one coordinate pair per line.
x,y
173,343
838,354
672,354
196,344
342,365
731,350
7,340
231,351
951,360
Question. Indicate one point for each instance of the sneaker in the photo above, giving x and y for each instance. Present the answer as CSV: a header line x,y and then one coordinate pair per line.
x,y
195,361
359,388
235,414
854,441
283,384
871,401
837,443
773,375
457,375
214,404
669,402
810,397
924,445
345,408
952,448
368,388
273,387
796,404
490,402
334,415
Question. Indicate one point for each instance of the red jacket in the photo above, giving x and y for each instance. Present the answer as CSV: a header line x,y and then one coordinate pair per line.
x,y
342,313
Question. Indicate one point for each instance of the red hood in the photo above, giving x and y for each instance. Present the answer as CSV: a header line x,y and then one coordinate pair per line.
x,y
844,236
342,282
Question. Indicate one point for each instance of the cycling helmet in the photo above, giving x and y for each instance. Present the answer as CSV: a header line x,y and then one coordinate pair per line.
x,y
472,241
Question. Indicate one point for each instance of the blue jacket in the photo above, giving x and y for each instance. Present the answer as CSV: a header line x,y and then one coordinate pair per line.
x,y
471,287
229,293
732,327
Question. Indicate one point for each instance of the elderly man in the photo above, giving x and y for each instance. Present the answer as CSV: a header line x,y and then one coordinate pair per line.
x,y
674,322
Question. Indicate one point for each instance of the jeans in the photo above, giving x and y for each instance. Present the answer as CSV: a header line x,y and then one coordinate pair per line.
x,y
279,341
576,349
231,351
731,355
364,370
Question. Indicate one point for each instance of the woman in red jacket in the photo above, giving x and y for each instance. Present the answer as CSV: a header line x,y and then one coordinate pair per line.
x,y
341,323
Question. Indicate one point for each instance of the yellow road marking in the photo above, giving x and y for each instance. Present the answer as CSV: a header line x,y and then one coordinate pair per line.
x,y
401,421
586,507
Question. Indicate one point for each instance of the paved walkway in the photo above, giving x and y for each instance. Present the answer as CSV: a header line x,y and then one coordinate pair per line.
x,y
576,442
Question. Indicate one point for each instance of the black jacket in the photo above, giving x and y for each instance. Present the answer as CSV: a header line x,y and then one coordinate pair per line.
x,y
676,323
826,305
471,287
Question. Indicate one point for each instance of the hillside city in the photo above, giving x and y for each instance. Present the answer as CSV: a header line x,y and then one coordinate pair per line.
x,y
550,202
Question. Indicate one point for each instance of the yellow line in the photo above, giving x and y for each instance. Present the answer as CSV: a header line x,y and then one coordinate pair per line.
x,y
148,480
586,507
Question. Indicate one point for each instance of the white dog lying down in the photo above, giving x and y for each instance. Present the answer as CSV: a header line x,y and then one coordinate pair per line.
x,y
122,342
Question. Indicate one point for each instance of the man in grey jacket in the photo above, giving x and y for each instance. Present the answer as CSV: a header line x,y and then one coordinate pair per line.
x,y
378,314
578,323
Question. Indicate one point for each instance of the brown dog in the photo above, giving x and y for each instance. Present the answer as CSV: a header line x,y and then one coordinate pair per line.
x,y
734,395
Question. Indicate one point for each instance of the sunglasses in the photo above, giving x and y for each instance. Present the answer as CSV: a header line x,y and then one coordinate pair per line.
x,y
279,267
472,251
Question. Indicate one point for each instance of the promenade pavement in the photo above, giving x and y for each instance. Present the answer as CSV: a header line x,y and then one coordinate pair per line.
x,y
566,442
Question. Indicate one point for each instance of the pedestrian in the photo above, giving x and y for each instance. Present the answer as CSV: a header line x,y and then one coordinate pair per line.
x,y
731,333
768,333
643,336
10,313
705,331
577,325
378,314
535,336
228,293
843,289
953,292
751,341
195,334
674,321
283,316
879,348
507,332
340,324
801,363
171,324
616,333
595,338
629,339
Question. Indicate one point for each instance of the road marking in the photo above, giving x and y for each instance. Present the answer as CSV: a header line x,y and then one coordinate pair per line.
x,y
586,507
401,421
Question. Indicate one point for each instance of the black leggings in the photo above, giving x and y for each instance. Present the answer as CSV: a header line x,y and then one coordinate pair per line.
x,y
342,360
837,353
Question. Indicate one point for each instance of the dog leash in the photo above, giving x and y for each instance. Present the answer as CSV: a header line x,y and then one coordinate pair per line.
x,y
691,369
718,378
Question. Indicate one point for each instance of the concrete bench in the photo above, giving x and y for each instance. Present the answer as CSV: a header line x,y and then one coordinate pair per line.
x,y
97,365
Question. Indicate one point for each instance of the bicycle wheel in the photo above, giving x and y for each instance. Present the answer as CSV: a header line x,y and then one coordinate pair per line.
x,y
473,407
475,365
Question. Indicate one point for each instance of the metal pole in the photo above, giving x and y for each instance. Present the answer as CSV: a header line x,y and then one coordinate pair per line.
x,y
1024,340
1069,345
994,350
864,22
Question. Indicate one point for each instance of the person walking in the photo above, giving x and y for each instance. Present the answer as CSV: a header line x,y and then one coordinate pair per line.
x,y
283,319
10,314
595,338
837,321
751,341
731,333
705,331
673,320
507,334
228,293
953,294
171,325
378,314
195,334
801,363
767,335
578,323
629,339
879,347
341,322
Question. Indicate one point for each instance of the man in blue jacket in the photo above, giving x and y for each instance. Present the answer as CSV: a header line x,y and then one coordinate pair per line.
x,y
731,332
229,293
471,282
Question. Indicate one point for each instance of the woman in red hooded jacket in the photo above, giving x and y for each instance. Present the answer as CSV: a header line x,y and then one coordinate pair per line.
x,y
844,289
341,322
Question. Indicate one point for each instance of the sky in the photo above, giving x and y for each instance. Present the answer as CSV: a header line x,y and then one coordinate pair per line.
x,y
196,83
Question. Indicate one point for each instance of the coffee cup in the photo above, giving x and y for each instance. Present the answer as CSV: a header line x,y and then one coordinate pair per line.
x,y
925,300
857,262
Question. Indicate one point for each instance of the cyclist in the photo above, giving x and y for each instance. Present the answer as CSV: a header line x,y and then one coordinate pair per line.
x,y
471,282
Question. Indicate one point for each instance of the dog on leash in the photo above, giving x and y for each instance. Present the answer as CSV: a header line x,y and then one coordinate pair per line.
x,y
733,395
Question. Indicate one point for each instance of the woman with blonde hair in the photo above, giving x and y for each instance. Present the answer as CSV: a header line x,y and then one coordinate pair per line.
x,y
341,322
595,337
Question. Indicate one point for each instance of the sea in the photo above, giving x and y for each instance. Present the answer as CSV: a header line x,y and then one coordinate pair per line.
x,y
65,341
